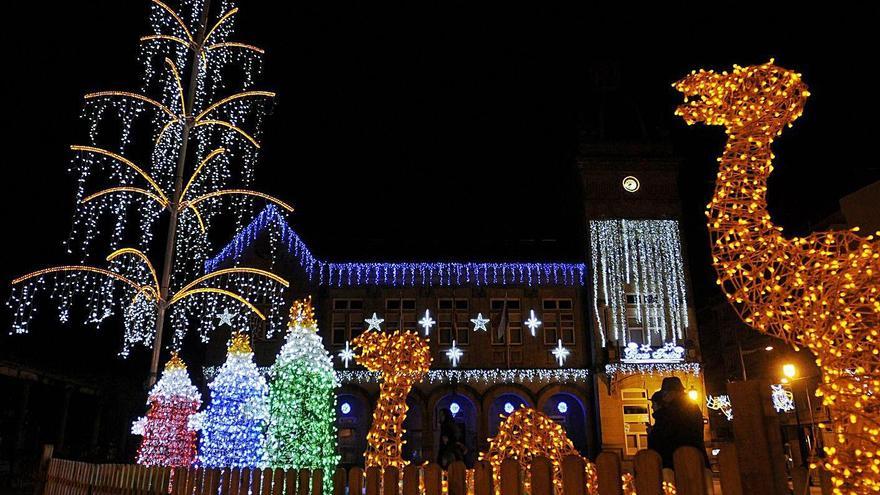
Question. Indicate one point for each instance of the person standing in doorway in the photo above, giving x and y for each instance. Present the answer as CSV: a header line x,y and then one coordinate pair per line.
x,y
450,441
678,422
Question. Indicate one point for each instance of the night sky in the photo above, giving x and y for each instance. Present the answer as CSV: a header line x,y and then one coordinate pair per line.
x,y
438,130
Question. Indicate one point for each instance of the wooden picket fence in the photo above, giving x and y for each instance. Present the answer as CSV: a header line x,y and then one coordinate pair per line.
x,y
65,477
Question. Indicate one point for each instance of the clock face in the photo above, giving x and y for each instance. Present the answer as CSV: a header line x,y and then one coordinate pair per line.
x,y
631,184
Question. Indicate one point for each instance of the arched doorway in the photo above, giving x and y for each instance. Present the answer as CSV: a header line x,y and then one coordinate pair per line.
x,y
464,413
568,410
414,424
501,407
353,419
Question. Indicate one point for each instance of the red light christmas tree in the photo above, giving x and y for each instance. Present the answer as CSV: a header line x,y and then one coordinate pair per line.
x,y
168,440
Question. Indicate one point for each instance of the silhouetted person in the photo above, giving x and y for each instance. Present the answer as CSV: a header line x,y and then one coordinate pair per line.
x,y
678,422
450,441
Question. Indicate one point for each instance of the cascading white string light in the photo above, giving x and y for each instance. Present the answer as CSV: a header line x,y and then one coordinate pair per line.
x,y
641,257
221,126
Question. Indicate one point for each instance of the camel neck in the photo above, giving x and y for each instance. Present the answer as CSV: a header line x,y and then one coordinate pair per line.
x,y
741,185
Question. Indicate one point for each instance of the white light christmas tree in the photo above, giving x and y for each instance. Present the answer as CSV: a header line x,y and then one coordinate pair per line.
x,y
203,151
302,400
232,426
168,441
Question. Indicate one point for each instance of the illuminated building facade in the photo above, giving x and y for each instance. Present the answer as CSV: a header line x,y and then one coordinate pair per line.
x,y
478,319
587,340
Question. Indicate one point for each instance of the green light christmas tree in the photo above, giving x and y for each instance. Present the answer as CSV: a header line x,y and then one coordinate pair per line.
x,y
302,400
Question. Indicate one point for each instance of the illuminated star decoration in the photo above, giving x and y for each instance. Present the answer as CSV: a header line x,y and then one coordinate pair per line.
x,y
560,352
373,322
454,354
427,322
533,322
346,354
480,322
225,317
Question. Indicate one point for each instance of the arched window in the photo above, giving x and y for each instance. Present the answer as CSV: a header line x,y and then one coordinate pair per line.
x,y
501,407
568,410
353,418
414,424
464,414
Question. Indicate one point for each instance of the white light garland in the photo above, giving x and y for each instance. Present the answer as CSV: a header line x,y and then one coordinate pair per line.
x,y
476,376
480,323
646,255
480,376
651,369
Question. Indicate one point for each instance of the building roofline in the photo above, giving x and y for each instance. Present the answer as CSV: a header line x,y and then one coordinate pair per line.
x,y
411,273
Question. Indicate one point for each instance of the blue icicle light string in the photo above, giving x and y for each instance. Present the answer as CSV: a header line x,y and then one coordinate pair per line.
x,y
346,274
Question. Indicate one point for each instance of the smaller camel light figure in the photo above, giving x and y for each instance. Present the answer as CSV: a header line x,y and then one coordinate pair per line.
x,y
402,359
525,434
820,291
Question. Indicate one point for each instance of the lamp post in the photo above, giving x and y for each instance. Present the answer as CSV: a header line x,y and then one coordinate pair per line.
x,y
789,372
742,353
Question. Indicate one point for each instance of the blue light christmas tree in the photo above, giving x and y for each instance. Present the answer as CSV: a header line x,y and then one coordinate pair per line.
x,y
232,426
302,400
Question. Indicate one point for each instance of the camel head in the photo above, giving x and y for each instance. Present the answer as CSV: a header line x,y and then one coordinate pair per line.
x,y
400,352
766,96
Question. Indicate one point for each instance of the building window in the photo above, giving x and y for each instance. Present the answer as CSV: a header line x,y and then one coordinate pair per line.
x,y
347,320
636,417
453,311
511,307
400,311
558,318
639,325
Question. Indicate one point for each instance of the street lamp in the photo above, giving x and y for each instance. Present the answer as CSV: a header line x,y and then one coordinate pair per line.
x,y
743,352
693,394
789,370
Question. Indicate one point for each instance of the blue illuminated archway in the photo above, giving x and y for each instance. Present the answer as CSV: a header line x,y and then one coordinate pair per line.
x,y
568,410
353,419
465,413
